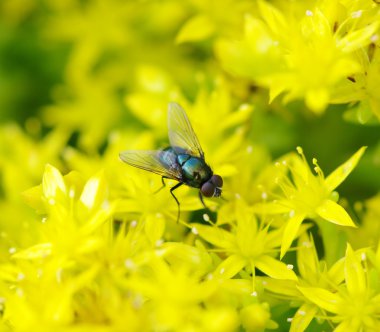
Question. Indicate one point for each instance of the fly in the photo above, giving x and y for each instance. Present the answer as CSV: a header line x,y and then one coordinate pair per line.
x,y
183,161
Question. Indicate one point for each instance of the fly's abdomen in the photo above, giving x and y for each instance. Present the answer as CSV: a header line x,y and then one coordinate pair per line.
x,y
194,170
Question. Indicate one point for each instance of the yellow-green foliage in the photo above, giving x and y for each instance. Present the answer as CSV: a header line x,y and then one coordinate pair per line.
x,y
88,244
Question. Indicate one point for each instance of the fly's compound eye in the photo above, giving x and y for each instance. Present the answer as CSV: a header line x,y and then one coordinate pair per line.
x,y
217,181
208,189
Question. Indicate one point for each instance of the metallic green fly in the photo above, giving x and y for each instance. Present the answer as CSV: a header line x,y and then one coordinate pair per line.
x,y
183,161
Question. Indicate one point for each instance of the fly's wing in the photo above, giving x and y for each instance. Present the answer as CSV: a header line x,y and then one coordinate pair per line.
x,y
153,161
181,134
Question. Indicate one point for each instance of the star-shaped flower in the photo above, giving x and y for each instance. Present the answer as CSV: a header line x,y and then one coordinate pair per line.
x,y
305,195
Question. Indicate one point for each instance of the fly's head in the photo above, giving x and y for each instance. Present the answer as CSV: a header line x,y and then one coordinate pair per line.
x,y
213,187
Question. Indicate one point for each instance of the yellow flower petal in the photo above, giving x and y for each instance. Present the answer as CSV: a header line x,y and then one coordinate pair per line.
x,y
358,38
322,298
230,267
274,268
273,17
197,28
52,181
280,286
354,273
255,317
317,99
334,213
32,197
340,174
270,208
38,251
290,232
154,228
181,254
303,317
217,236
256,56
94,191
307,258
344,327
336,272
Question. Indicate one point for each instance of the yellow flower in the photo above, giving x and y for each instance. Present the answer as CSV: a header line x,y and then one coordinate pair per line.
x,y
175,296
362,88
73,212
248,245
306,195
74,114
368,234
22,160
313,273
297,51
214,18
355,305
98,248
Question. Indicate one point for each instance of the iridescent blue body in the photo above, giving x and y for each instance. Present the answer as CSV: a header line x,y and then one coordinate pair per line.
x,y
184,161
195,172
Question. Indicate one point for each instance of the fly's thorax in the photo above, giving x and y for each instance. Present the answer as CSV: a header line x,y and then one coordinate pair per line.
x,y
195,170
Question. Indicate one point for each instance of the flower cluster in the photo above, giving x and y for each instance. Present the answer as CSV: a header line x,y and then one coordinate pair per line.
x,y
321,52
89,243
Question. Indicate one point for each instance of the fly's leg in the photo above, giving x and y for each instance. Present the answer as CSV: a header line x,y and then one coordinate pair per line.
x,y
178,204
201,199
163,184
209,213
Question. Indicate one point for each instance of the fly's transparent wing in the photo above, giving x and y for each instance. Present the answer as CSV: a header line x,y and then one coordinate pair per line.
x,y
181,134
161,162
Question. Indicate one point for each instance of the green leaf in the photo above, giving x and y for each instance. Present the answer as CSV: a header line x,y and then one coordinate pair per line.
x,y
361,114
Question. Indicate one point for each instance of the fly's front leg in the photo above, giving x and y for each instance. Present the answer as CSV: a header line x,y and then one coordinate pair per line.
x,y
201,199
210,214
163,184
178,204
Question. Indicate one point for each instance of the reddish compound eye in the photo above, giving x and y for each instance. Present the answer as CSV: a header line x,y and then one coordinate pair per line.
x,y
217,180
208,189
